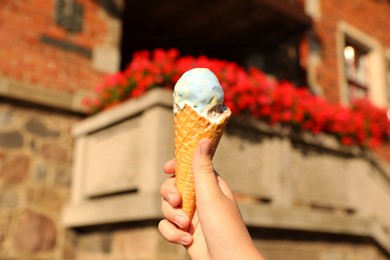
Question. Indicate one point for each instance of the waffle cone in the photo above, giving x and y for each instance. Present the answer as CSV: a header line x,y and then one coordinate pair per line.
x,y
190,128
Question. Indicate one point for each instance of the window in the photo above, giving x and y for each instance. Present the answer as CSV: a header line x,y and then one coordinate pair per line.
x,y
361,66
357,73
69,15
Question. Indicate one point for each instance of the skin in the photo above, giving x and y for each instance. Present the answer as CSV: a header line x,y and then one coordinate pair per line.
x,y
217,230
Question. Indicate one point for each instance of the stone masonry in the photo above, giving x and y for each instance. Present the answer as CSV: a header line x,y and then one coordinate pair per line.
x,y
35,175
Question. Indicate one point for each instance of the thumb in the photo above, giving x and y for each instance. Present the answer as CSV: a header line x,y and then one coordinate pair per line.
x,y
206,183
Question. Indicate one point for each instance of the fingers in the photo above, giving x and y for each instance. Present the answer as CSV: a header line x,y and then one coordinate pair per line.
x,y
170,203
175,215
174,235
169,167
170,193
176,220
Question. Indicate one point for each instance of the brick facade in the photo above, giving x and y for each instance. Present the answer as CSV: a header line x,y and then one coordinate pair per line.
x,y
371,17
27,57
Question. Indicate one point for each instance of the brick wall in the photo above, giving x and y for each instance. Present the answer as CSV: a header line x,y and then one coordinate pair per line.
x,y
370,16
26,25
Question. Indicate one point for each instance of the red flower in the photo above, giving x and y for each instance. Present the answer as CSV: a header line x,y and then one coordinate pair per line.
x,y
248,91
346,140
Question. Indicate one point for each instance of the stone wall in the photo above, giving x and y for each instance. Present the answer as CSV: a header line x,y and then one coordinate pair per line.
x,y
35,176
317,248
142,241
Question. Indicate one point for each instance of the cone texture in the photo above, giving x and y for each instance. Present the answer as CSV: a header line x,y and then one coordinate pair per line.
x,y
190,128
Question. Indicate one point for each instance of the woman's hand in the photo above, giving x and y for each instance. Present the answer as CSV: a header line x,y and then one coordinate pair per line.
x,y
217,230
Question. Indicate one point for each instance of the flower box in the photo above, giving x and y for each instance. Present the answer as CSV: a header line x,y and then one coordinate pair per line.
x,y
118,157
282,179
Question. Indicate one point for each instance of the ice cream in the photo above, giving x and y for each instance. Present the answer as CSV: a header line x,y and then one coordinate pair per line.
x,y
199,113
199,88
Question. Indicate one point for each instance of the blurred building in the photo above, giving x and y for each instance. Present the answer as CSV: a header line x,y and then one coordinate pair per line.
x,y
54,52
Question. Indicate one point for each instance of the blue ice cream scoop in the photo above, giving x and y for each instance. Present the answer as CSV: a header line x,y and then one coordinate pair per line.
x,y
200,89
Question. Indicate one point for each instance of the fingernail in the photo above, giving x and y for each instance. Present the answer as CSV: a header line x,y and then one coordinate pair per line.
x,y
185,239
205,148
180,220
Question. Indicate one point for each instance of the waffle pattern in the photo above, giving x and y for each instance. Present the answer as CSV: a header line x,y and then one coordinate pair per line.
x,y
190,128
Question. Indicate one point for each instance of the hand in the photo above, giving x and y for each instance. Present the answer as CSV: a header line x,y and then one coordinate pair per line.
x,y
217,230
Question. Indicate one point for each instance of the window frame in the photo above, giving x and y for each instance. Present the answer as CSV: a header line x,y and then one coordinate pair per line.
x,y
387,76
376,78
354,81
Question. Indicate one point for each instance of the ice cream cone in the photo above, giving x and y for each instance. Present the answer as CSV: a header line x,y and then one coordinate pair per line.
x,y
190,128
